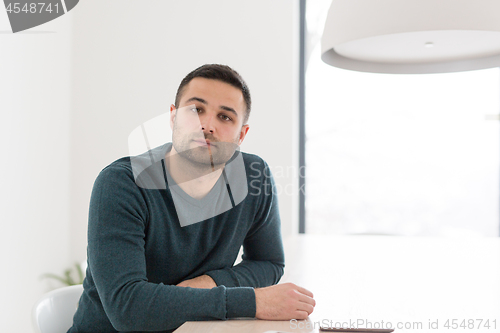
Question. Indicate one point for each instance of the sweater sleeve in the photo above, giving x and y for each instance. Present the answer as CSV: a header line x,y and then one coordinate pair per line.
x,y
263,256
116,237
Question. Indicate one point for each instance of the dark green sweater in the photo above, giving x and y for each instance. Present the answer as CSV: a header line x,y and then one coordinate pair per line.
x,y
138,252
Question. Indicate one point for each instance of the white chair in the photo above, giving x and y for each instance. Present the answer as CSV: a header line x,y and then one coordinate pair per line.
x,y
53,312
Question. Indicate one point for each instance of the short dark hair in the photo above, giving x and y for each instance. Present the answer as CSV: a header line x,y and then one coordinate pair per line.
x,y
221,73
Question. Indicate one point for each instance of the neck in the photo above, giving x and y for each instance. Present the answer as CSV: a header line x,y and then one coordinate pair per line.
x,y
194,179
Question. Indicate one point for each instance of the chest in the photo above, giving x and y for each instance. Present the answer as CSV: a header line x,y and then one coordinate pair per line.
x,y
174,253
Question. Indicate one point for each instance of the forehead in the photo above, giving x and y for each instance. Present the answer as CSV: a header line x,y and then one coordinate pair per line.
x,y
216,93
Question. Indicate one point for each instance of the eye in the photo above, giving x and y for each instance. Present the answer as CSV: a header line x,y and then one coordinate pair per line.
x,y
195,109
225,118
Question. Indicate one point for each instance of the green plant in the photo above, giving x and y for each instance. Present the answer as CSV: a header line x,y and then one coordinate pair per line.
x,y
67,278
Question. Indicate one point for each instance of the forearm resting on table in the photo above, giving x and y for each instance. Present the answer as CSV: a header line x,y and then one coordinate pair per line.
x,y
279,302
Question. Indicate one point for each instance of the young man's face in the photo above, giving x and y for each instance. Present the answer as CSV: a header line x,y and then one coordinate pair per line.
x,y
208,125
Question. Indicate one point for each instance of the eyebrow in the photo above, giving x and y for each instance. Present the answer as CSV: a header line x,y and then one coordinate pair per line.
x,y
223,107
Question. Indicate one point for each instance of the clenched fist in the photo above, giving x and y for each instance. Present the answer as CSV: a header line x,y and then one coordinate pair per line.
x,y
283,302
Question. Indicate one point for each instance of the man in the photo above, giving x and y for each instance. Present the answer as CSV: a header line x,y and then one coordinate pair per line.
x,y
163,237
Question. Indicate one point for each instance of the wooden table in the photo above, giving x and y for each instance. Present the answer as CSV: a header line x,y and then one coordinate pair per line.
x,y
409,284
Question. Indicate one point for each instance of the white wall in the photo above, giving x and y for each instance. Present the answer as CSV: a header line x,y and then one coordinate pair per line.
x,y
130,58
34,163
71,94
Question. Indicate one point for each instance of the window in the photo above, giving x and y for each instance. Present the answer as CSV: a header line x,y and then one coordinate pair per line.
x,y
399,154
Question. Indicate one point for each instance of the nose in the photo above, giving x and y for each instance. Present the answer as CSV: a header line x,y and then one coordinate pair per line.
x,y
207,123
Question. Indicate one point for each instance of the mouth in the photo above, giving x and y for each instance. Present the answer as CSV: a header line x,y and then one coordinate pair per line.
x,y
206,142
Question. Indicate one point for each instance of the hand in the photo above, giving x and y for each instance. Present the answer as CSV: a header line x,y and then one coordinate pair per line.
x,y
202,281
283,302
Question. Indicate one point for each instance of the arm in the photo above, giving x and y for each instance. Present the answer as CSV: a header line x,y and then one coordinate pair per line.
x,y
117,222
280,302
263,258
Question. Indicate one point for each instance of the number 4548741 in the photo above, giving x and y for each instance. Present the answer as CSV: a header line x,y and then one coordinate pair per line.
x,y
33,7
472,324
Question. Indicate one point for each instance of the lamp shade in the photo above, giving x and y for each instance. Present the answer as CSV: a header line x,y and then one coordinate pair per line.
x,y
412,36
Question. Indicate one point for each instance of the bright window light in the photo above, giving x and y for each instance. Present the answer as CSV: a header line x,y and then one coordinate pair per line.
x,y
402,154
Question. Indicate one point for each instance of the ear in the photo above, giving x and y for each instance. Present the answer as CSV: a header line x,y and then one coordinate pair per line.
x,y
172,116
243,133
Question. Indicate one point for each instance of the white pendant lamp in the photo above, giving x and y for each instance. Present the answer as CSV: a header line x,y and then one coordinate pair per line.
x,y
412,36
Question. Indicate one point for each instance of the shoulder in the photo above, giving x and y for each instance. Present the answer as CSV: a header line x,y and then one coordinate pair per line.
x,y
259,176
144,170
120,167
120,164
116,175
255,165
115,186
247,157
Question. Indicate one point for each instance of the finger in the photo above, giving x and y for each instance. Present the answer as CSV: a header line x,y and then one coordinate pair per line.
x,y
306,299
305,291
305,307
300,315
